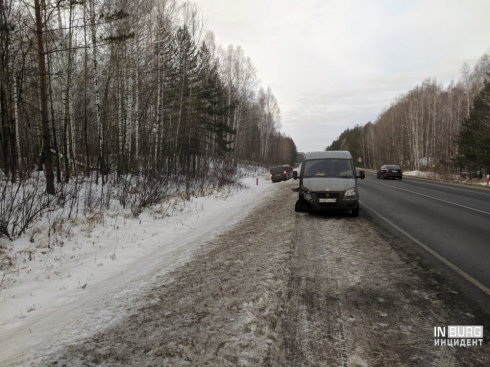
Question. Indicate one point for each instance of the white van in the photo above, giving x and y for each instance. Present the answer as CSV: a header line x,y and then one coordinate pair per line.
x,y
328,181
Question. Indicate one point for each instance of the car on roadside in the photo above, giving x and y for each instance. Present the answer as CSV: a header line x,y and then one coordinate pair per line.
x,y
281,173
389,171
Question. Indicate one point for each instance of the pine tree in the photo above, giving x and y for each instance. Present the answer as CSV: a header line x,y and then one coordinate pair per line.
x,y
474,137
349,140
212,108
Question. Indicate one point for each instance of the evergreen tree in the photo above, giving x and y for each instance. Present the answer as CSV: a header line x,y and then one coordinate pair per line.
x,y
349,140
212,108
474,137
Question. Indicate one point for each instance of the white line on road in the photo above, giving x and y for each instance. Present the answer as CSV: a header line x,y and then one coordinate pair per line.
x,y
432,252
476,190
432,197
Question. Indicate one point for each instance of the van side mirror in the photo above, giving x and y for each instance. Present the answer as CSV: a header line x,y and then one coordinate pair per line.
x,y
362,175
295,175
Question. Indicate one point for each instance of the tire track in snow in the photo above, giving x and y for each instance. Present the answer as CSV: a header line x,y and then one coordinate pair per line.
x,y
314,331
357,297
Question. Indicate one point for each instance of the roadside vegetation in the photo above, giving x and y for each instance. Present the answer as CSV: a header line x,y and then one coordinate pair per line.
x,y
122,104
431,128
128,100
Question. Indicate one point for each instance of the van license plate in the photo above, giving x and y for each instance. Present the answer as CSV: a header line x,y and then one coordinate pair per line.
x,y
327,200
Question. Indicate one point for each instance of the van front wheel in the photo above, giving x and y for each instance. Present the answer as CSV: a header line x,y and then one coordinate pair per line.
x,y
300,205
355,212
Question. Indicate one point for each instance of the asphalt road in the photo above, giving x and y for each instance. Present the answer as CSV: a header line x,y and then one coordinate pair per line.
x,y
453,221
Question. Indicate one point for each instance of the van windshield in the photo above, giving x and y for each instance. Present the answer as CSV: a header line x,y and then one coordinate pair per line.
x,y
330,167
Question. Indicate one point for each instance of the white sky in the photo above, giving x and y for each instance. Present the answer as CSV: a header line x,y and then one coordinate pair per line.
x,y
333,64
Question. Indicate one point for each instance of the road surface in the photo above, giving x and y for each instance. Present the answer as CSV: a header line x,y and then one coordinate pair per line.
x,y
453,221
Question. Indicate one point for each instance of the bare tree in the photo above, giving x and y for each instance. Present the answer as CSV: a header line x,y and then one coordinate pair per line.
x,y
46,159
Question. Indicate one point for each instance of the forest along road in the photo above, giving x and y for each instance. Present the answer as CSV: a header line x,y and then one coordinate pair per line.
x,y
290,289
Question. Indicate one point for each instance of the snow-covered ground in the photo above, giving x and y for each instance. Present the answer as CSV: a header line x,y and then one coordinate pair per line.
x,y
71,288
452,178
94,268
87,254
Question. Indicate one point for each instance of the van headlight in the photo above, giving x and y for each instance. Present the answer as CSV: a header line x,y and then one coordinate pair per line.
x,y
350,192
307,195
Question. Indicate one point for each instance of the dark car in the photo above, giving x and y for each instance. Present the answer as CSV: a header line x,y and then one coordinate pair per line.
x,y
281,173
390,171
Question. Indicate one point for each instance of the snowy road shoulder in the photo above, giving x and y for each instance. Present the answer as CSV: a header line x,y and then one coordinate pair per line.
x,y
285,289
75,285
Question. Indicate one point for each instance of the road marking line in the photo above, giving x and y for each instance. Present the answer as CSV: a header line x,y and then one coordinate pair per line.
x,y
476,190
431,197
432,252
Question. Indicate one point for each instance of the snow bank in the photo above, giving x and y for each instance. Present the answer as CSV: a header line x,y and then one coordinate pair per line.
x,y
84,259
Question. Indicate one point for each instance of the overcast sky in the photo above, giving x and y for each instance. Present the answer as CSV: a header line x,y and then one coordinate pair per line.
x,y
333,64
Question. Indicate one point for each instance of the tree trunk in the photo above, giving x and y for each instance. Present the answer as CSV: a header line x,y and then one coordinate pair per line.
x,y
53,126
16,122
44,103
100,129
85,101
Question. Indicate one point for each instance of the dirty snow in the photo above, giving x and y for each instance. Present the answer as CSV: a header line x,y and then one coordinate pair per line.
x,y
444,177
235,281
66,286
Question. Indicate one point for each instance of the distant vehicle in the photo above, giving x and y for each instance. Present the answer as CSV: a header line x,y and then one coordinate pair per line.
x,y
281,173
390,171
328,181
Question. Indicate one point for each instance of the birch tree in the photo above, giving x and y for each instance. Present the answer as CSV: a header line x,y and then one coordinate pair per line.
x,y
270,119
127,86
